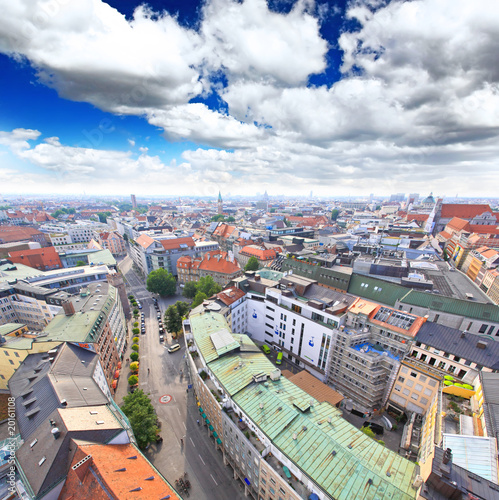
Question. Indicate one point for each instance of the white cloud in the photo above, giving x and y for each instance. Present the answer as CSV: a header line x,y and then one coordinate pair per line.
x,y
17,140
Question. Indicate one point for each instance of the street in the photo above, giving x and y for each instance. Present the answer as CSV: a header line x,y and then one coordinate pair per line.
x,y
162,375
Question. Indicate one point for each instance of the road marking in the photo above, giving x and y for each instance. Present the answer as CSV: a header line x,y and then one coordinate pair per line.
x,y
184,426
143,383
192,442
212,477
178,411
204,463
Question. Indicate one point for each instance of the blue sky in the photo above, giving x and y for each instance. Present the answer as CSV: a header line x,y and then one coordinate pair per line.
x,y
184,97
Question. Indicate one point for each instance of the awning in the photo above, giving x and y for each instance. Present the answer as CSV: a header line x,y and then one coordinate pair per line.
x,y
211,427
200,410
215,435
115,384
219,441
117,374
119,365
286,471
207,421
203,415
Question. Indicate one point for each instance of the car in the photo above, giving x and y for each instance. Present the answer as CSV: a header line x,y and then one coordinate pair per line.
x,y
161,338
159,316
266,349
174,348
139,306
279,358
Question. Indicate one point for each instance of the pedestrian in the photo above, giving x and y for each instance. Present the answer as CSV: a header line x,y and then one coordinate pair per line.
x,y
148,371
198,422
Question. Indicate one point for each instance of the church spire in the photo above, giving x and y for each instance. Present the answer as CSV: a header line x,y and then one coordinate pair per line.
x,y
220,210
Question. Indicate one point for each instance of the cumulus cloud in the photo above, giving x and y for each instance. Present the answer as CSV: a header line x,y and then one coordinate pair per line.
x,y
418,97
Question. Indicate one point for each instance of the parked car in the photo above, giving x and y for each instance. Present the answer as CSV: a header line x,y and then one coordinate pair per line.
x,y
161,338
266,349
174,347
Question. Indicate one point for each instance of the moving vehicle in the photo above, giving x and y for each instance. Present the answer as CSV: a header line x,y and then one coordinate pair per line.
x,y
279,358
174,347
266,349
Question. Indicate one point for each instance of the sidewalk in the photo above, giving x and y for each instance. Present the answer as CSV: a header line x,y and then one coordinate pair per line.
x,y
122,388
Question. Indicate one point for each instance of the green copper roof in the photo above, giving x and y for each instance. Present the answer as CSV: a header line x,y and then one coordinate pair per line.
x,y
466,308
376,290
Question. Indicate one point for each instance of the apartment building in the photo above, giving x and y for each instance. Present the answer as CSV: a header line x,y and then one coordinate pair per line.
x,y
221,266
95,316
279,440
265,256
29,304
367,350
10,234
43,259
113,242
453,352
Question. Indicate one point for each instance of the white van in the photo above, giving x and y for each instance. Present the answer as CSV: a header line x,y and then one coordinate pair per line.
x,y
174,347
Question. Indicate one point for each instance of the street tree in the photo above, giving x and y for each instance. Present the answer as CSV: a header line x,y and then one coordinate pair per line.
x,y
182,308
199,299
140,412
190,289
334,214
252,264
173,320
161,282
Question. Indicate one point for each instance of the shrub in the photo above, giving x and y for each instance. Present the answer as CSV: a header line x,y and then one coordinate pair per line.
x,y
136,324
134,366
394,427
381,442
133,380
135,347
367,431
130,297
135,312
247,434
135,331
134,356
135,340
203,375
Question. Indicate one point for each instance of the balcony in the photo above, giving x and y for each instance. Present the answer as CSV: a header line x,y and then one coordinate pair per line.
x,y
294,484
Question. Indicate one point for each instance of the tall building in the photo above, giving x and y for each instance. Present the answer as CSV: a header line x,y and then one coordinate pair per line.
x,y
134,201
220,210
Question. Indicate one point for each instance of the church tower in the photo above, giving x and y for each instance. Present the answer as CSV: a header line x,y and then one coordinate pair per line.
x,y
220,204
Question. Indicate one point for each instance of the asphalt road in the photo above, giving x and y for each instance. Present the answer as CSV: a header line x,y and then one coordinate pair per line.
x,y
162,375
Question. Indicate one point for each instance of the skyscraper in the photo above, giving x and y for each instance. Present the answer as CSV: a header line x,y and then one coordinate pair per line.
x,y
134,201
220,204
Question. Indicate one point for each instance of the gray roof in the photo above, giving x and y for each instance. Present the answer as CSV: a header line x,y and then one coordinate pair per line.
x,y
461,480
490,390
45,460
39,386
450,340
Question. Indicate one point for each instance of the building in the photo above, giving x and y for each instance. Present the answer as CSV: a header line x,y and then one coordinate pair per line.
x,y
366,352
477,214
95,316
89,256
43,259
10,234
134,201
113,242
220,206
279,440
221,266
265,256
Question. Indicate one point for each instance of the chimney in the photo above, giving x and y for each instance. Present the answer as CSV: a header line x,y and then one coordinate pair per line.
x,y
481,344
69,308
463,335
56,432
81,467
447,456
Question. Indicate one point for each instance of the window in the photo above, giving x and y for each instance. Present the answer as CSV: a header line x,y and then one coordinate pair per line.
x,y
483,328
406,392
282,491
418,387
423,378
405,370
272,480
457,358
414,396
272,491
263,480
410,383
423,401
427,392
401,379
414,374
398,387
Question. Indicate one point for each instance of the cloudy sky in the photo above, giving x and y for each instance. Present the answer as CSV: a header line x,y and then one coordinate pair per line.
x,y
182,97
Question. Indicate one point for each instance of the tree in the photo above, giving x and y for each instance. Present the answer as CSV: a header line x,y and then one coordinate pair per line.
x,y
230,219
81,263
299,214
288,224
208,286
272,210
218,218
135,331
135,340
182,308
190,289
173,320
103,216
161,282
334,214
133,380
134,356
134,366
140,412
135,347
252,264
199,299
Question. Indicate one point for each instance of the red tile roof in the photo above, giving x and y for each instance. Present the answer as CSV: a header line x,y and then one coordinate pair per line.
x,y
217,262
450,210
260,253
484,229
417,217
144,240
176,242
457,224
101,475
230,295
10,234
37,258
224,230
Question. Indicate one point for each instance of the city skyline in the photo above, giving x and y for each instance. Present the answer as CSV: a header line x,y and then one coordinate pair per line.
x,y
338,98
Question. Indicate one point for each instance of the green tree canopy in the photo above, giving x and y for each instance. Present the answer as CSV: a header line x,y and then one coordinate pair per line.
x,y
81,263
103,216
198,299
230,219
173,320
218,218
334,214
190,289
299,214
182,308
252,264
208,286
140,412
161,282
272,210
134,356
